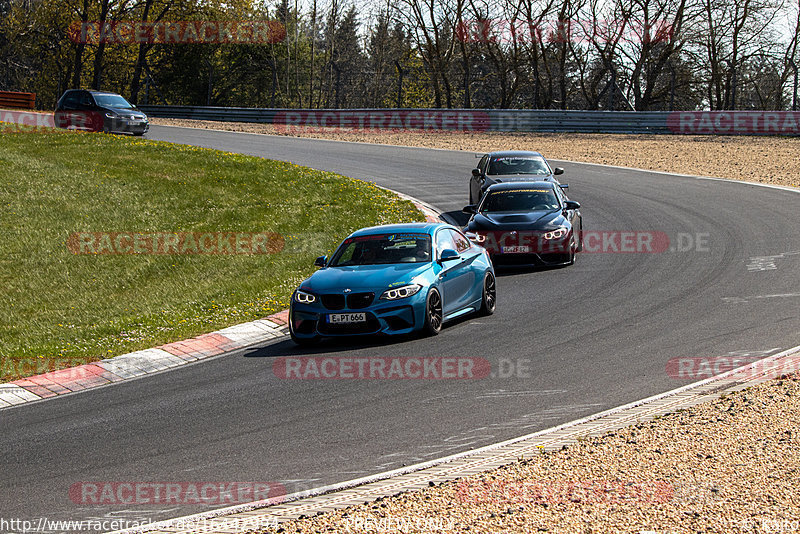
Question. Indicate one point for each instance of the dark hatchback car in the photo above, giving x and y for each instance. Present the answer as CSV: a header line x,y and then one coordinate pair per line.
x,y
509,166
99,111
527,223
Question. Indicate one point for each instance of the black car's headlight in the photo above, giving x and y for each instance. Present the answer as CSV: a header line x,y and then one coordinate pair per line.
x,y
555,234
303,297
401,292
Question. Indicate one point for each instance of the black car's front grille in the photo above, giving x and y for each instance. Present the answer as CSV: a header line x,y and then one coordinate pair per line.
x,y
356,301
333,302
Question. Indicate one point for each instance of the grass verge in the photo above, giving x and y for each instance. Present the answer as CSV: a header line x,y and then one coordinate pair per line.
x,y
62,308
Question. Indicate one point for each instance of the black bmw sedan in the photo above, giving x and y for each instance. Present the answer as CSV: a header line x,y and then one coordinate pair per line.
x,y
509,166
527,223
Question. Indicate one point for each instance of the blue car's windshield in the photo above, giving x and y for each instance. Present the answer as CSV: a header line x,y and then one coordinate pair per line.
x,y
112,101
383,249
518,165
520,200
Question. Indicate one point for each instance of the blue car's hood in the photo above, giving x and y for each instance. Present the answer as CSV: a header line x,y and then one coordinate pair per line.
x,y
369,277
529,220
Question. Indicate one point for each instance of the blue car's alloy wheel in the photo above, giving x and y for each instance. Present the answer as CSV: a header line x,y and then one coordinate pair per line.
x,y
433,313
489,294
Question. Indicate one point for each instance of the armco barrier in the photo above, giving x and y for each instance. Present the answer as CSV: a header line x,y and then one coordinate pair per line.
x,y
11,100
652,122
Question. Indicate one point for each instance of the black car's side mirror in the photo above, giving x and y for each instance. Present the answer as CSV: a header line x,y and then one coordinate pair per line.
x,y
476,173
571,205
321,261
471,209
557,171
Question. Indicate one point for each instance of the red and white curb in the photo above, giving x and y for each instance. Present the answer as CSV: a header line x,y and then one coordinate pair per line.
x,y
143,362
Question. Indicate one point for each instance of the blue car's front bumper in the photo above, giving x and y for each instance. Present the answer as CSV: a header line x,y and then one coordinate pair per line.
x,y
401,316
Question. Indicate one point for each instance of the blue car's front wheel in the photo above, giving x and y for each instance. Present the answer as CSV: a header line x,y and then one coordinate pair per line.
x,y
433,313
489,302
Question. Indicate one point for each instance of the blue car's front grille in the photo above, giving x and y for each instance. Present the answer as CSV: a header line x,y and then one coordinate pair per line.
x,y
333,302
356,301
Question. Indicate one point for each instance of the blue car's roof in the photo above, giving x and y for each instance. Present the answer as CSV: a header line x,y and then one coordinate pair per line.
x,y
424,228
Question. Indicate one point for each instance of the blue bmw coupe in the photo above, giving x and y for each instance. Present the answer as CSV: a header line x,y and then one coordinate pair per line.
x,y
393,279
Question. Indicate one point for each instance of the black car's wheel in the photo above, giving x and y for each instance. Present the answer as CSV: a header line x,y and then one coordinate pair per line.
x,y
433,313
489,302
580,238
573,247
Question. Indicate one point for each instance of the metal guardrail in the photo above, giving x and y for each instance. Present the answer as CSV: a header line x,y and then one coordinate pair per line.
x,y
477,120
13,100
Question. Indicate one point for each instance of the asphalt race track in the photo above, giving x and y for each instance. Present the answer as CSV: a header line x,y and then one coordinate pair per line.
x,y
564,343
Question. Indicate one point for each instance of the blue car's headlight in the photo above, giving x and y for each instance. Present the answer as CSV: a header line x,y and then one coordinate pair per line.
x,y
401,292
555,234
303,297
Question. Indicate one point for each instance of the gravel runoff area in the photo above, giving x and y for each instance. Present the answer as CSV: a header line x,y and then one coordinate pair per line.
x,y
727,466
770,160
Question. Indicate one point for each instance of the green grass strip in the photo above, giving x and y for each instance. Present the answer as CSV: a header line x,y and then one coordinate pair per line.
x,y
60,308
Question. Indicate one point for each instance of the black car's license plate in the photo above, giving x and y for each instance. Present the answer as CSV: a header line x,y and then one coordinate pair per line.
x,y
517,249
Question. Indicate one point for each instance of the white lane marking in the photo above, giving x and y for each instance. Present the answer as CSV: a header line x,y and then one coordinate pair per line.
x,y
501,393
767,263
744,300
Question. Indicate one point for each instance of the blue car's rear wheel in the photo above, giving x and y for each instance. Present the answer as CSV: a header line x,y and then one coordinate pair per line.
x,y
489,302
433,313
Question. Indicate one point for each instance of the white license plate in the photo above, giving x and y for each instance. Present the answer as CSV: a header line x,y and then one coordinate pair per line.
x,y
342,318
519,249
135,123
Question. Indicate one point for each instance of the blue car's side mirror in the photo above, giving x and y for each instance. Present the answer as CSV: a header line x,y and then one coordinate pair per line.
x,y
321,261
448,254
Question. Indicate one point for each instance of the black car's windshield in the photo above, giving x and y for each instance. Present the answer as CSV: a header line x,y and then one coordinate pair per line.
x,y
518,165
112,101
519,200
383,249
